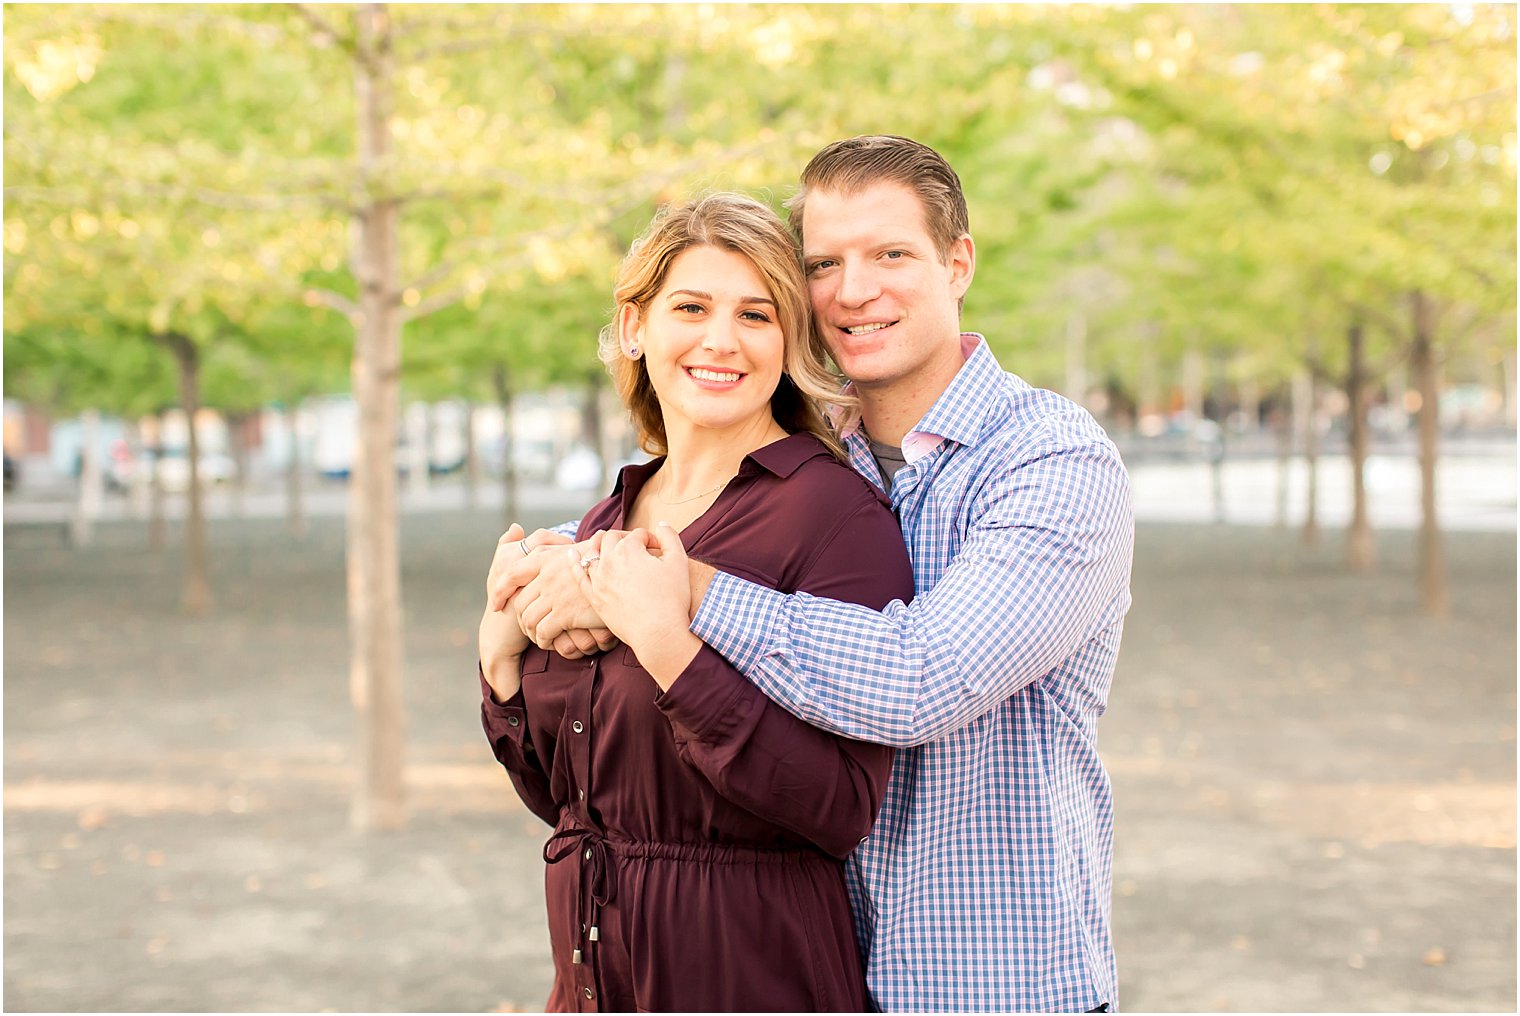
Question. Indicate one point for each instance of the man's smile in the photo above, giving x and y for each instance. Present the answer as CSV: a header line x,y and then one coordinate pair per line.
x,y
866,329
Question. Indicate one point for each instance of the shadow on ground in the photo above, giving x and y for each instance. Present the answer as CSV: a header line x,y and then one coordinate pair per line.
x,y
1315,784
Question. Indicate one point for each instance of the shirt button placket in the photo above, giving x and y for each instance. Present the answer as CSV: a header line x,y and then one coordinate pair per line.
x,y
587,972
580,728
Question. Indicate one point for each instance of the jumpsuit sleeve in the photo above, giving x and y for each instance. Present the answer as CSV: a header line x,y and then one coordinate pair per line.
x,y
506,727
823,787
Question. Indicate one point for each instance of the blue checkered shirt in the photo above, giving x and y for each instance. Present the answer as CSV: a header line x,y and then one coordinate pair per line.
x,y
985,884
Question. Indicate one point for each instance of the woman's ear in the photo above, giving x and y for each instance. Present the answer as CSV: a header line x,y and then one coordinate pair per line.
x,y
630,331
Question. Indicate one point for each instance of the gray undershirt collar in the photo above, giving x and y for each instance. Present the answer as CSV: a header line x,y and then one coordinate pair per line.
x,y
889,459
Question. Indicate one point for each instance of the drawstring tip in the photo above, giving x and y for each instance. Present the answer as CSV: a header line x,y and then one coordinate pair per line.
x,y
594,935
575,957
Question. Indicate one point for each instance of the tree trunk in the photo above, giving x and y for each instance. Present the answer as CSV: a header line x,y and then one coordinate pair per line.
x,y
1150,413
1250,407
1306,408
1076,358
158,528
1361,551
471,460
417,451
502,378
1216,478
87,507
596,424
1509,389
1219,447
197,594
591,414
374,574
1434,591
137,479
1395,389
1281,418
1192,382
237,435
295,509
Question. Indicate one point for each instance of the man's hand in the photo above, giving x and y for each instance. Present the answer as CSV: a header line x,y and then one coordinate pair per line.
x,y
578,643
701,575
517,562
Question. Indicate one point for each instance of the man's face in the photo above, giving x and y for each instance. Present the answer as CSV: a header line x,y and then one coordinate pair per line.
x,y
884,301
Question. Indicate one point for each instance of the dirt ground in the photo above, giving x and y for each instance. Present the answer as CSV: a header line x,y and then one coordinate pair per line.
x,y
1315,784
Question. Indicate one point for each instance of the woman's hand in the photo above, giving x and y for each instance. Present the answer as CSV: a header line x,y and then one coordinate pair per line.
x,y
502,641
644,597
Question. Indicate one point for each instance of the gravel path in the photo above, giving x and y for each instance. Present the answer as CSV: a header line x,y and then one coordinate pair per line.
x,y
1316,785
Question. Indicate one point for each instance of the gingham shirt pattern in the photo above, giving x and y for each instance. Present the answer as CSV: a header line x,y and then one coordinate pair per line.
x,y
985,884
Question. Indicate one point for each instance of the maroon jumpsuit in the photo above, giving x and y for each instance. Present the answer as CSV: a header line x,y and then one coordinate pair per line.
x,y
696,862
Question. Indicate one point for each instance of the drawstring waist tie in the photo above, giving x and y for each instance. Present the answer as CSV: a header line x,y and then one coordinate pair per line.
x,y
597,852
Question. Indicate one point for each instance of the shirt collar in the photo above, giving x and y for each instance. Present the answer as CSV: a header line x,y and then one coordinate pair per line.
x,y
958,412
783,458
779,458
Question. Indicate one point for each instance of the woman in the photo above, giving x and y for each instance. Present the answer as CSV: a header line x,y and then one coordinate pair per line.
x,y
696,862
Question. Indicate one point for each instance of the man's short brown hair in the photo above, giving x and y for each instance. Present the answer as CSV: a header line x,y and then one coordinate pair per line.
x,y
851,165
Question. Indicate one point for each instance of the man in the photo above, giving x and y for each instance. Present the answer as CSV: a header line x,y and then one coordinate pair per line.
x,y
985,884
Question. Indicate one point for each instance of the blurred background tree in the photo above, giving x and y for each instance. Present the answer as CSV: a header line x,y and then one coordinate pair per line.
x,y
1177,209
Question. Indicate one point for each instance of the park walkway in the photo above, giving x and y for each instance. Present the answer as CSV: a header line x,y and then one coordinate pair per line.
x,y
1315,784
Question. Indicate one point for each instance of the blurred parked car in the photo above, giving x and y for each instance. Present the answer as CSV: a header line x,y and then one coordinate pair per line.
x,y
172,466
120,465
534,458
10,471
580,469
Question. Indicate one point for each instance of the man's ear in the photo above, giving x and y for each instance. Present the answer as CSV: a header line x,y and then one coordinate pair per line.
x,y
630,331
962,263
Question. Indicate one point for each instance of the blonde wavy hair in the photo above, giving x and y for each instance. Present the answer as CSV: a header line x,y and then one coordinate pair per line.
x,y
737,223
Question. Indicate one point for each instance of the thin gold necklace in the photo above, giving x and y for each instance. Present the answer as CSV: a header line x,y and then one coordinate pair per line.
x,y
694,497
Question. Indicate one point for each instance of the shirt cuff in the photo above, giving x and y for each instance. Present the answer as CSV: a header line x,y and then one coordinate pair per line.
x,y
737,618
504,720
701,700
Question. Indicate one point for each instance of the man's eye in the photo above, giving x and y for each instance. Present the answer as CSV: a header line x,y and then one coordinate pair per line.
x,y
896,254
818,266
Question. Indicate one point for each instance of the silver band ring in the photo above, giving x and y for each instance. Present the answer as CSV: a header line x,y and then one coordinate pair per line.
x,y
523,543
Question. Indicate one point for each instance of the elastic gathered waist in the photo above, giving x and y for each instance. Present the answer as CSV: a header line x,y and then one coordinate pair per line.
x,y
712,853
694,850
